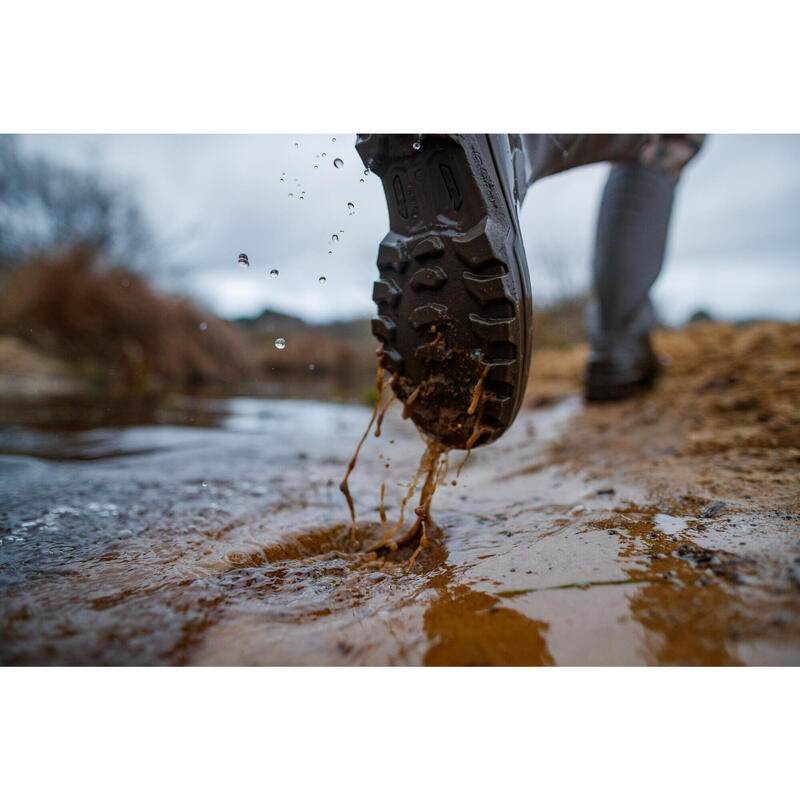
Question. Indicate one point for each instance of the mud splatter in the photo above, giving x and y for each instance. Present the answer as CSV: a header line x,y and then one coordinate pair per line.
x,y
344,486
477,391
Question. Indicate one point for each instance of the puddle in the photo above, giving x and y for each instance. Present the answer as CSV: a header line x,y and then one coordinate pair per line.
x,y
230,544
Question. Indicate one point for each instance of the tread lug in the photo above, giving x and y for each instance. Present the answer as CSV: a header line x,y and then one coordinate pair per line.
x,y
428,278
386,291
383,328
393,361
495,330
490,290
392,255
427,247
428,315
482,244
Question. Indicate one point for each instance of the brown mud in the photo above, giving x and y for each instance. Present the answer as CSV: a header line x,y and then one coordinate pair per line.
x,y
661,530
432,470
578,540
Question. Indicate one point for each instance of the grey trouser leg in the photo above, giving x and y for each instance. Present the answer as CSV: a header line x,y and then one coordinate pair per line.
x,y
628,254
631,228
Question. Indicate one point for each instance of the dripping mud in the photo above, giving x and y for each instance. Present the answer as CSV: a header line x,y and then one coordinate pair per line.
x,y
431,472
217,533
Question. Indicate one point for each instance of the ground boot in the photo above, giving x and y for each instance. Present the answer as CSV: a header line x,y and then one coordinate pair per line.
x,y
628,369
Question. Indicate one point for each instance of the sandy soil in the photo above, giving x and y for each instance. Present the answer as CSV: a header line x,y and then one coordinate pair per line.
x,y
724,419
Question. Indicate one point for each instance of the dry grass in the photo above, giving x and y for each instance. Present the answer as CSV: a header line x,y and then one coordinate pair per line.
x,y
116,331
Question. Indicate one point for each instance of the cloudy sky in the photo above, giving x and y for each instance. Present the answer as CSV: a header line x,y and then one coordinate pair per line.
x,y
734,244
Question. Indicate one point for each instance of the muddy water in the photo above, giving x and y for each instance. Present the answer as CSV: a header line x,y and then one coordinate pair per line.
x,y
227,541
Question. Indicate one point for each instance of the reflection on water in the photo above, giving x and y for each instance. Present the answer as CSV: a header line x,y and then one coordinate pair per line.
x,y
212,531
68,432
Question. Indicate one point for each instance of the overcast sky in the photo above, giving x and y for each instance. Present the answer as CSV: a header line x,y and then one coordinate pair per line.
x,y
734,245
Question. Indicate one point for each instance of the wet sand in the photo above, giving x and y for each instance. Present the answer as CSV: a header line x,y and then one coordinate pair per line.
x,y
583,536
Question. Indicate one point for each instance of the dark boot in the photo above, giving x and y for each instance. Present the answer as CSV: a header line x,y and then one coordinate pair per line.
x,y
454,302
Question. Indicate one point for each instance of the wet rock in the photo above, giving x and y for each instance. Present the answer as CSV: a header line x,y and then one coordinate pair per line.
x,y
714,509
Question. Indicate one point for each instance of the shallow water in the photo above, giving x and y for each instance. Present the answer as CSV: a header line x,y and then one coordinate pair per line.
x,y
220,537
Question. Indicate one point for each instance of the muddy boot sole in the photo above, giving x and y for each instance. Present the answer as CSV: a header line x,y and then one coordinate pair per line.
x,y
453,298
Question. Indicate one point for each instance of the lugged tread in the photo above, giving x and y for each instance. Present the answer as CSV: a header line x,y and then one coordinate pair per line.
x,y
494,330
504,371
490,290
482,244
391,255
428,314
393,361
428,278
450,289
433,351
386,291
428,247
384,328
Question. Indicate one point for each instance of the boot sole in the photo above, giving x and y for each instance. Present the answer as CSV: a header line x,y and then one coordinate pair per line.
x,y
453,297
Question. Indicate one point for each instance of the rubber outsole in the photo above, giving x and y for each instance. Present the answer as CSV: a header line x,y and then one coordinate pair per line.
x,y
453,295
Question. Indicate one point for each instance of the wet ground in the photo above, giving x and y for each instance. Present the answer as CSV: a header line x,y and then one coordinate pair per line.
x,y
213,532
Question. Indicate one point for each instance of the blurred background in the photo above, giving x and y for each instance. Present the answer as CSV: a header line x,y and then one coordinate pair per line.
x,y
120,274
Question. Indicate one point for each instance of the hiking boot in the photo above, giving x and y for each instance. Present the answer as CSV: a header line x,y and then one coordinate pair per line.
x,y
622,373
454,301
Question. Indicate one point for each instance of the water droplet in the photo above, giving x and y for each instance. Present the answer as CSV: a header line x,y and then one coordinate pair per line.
x,y
333,138
312,367
338,163
417,144
322,279
273,273
282,180
203,326
280,343
291,194
335,237
244,261
316,166
297,144
366,172
324,154
204,484
350,207
330,252
361,180
340,230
